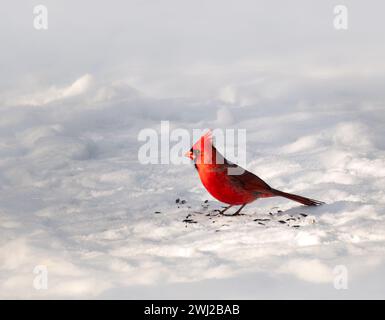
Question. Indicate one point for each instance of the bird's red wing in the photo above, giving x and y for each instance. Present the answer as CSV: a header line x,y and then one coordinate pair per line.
x,y
248,180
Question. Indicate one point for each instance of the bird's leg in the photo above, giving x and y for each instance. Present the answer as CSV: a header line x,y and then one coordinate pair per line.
x,y
237,213
225,209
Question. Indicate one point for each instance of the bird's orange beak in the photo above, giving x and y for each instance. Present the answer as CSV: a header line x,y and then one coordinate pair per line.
x,y
189,154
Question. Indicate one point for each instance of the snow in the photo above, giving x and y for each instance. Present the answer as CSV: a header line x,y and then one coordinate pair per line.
x,y
75,198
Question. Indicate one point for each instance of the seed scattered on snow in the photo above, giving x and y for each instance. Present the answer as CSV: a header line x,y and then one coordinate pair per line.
x,y
189,221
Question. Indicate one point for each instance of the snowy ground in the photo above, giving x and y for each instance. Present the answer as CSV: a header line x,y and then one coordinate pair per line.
x,y
74,197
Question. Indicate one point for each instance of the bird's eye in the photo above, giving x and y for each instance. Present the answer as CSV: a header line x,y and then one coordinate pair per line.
x,y
196,151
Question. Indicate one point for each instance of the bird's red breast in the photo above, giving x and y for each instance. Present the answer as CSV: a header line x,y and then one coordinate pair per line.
x,y
217,182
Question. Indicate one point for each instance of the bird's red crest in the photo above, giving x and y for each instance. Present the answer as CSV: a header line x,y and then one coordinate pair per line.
x,y
202,149
206,139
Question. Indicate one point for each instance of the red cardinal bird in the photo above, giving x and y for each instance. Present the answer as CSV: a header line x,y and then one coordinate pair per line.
x,y
239,189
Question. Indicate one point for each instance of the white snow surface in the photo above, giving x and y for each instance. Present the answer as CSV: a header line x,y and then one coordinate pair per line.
x,y
75,198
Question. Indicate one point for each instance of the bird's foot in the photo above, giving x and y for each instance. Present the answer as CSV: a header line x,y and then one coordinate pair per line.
x,y
236,214
227,215
222,212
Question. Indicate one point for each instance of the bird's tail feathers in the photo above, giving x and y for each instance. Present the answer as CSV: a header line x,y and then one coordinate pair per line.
x,y
300,199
